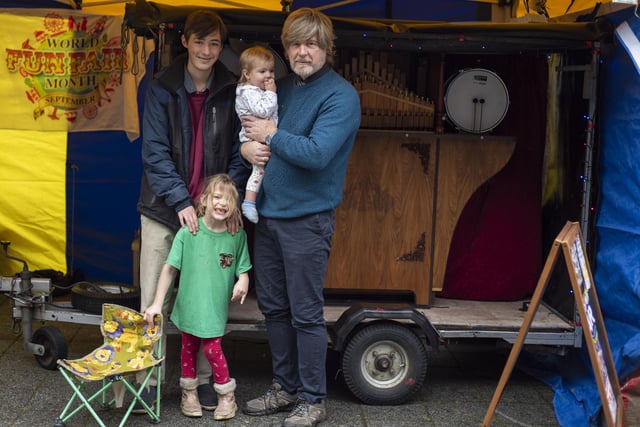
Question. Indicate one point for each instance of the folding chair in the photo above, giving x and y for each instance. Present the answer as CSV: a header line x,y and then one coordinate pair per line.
x,y
128,348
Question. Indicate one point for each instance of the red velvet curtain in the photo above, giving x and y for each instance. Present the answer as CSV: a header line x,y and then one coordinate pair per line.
x,y
496,252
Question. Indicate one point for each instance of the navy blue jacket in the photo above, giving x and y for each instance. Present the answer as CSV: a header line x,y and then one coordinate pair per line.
x,y
166,141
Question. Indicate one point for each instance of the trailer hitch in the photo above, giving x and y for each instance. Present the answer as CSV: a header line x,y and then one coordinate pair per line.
x,y
23,299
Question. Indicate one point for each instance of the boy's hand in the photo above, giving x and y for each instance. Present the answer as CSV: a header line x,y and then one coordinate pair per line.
x,y
234,222
188,217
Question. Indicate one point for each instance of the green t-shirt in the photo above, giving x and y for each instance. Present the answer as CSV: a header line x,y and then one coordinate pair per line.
x,y
209,263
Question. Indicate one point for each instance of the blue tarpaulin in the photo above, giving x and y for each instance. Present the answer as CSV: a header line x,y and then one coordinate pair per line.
x,y
617,263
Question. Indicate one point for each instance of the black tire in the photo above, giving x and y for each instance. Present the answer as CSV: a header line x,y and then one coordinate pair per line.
x,y
384,364
89,296
55,346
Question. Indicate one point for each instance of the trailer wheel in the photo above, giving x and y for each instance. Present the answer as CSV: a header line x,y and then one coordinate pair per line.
x,y
55,346
384,364
89,297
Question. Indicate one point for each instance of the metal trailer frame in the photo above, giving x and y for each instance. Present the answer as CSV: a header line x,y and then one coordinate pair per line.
x,y
450,320
382,344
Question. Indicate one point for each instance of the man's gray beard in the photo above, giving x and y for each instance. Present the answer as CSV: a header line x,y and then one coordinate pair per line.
x,y
304,72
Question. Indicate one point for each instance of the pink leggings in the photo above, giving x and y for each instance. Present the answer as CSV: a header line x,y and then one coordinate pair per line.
x,y
212,351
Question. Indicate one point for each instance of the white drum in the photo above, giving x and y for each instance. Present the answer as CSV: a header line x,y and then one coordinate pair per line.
x,y
476,100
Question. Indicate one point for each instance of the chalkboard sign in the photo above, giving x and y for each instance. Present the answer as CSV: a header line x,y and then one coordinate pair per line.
x,y
584,291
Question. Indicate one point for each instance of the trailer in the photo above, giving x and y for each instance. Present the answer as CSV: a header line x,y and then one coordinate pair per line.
x,y
383,344
385,303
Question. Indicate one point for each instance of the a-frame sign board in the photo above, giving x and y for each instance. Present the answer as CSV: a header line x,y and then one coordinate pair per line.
x,y
572,244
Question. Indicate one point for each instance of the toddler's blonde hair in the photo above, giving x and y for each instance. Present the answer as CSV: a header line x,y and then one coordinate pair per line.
x,y
251,57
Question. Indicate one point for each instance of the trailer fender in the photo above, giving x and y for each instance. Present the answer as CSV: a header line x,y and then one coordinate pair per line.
x,y
359,312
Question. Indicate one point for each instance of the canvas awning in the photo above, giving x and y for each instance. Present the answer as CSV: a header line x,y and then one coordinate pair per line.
x,y
377,33
556,9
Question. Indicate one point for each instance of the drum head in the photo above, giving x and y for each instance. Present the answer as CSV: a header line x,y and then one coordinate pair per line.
x,y
476,100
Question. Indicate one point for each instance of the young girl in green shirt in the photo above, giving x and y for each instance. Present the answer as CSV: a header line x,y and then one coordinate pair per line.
x,y
213,265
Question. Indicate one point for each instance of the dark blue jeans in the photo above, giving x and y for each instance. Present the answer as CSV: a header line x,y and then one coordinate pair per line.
x,y
290,259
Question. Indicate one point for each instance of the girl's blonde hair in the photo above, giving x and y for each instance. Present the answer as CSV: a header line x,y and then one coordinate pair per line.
x,y
251,57
225,185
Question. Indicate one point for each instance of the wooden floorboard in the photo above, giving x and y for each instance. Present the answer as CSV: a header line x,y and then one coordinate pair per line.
x,y
445,314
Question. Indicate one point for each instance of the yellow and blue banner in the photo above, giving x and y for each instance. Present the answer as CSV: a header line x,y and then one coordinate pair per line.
x,y
61,71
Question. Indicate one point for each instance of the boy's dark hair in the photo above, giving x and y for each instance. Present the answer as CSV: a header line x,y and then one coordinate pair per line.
x,y
202,23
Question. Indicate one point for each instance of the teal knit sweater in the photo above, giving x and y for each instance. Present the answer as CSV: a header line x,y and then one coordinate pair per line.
x,y
318,124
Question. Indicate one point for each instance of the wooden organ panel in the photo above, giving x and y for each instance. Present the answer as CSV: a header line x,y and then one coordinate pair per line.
x,y
404,194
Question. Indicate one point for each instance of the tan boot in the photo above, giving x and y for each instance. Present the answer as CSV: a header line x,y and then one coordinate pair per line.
x,y
226,401
190,405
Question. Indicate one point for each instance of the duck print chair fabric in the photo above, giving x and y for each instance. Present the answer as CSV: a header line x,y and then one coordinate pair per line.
x,y
130,345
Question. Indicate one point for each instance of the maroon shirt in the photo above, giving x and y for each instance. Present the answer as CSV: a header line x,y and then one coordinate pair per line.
x,y
196,156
